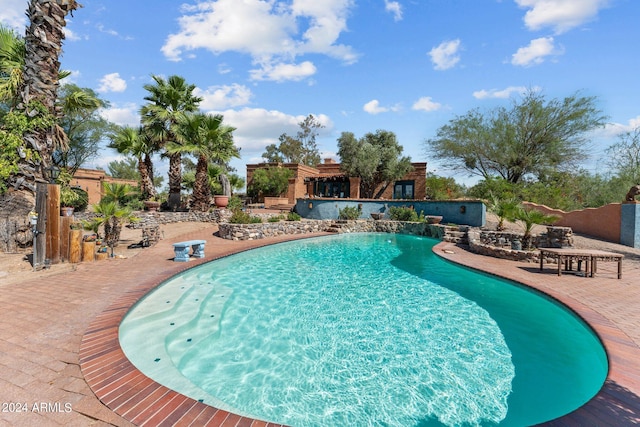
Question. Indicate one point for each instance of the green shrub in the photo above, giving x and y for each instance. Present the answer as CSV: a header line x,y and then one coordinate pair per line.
x,y
349,212
241,217
402,213
136,205
235,203
82,201
276,218
292,216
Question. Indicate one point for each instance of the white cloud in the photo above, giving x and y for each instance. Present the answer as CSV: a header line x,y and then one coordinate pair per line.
x,y
373,107
561,15
114,33
277,33
502,93
426,104
257,127
445,55
227,96
112,83
12,14
612,130
284,72
125,115
536,52
69,35
395,8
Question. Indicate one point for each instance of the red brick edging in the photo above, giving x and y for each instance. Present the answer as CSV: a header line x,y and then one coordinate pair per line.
x,y
129,393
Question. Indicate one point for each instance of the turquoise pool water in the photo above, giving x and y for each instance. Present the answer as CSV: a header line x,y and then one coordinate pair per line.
x,y
363,329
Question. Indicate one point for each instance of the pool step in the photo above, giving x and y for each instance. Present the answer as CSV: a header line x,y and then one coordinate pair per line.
x,y
338,226
457,237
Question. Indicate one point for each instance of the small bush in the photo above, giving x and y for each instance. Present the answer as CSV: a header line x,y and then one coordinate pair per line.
x,y
402,213
235,203
349,212
292,216
277,218
240,217
136,205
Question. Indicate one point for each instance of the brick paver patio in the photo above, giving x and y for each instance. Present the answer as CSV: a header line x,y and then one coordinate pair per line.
x,y
45,320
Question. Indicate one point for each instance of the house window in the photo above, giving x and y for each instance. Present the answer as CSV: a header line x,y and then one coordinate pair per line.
x,y
403,189
337,189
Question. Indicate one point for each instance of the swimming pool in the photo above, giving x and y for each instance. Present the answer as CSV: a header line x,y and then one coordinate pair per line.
x,y
363,329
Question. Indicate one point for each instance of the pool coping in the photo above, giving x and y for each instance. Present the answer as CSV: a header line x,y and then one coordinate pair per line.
x,y
119,385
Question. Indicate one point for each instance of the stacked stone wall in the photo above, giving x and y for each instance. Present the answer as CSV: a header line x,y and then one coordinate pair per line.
x,y
505,244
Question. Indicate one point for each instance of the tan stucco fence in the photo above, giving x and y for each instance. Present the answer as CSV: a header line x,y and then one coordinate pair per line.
x,y
604,222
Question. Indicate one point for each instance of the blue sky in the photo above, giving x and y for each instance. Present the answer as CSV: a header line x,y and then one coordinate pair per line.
x,y
408,66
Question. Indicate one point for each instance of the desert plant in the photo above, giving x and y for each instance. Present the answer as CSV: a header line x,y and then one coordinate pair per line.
x,y
402,213
349,212
505,210
111,216
276,218
292,216
530,217
241,217
235,203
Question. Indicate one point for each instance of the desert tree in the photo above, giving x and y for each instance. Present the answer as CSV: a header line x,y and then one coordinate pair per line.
x,y
533,137
375,158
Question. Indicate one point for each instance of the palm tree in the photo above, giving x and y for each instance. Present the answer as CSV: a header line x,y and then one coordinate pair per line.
x,y
530,217
11,62
112,216
111,212
138,143
505,209
168,101
36,100
205,137
43,44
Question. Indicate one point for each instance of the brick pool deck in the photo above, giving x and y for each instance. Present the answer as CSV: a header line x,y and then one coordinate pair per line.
x,y
59,348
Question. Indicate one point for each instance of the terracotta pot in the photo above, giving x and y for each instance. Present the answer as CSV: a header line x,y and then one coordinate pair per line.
x,y
151,205
433,219
66,211
221,201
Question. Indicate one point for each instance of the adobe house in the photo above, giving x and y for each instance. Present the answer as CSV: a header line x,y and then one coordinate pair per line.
x,y
328,181
91,180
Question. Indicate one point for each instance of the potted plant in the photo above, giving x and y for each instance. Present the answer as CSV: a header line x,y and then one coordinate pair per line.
x,y
68,198
221,201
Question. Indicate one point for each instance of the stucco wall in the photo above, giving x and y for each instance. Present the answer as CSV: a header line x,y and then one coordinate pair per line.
x,y
603,222
91,180
467,212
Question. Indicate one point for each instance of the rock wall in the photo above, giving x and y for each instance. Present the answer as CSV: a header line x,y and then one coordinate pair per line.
x,y
506,245
270,229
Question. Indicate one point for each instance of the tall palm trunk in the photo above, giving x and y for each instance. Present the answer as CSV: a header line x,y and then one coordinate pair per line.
x,y
43,45
145,168
201,187
175,180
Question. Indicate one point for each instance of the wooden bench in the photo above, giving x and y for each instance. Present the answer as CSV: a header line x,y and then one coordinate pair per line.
x,y
590,257
182,250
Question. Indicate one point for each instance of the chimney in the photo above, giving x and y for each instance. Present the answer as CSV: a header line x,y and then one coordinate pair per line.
x,y
329,161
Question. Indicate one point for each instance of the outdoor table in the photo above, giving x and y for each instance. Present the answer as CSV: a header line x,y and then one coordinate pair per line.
x,y
590,257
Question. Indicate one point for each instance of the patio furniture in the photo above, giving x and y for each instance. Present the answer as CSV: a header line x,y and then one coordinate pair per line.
x,y
590,257
182,250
